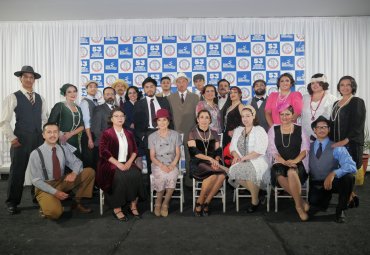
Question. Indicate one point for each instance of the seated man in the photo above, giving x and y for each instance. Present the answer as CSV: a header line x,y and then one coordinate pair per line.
x,y
47,164
331,170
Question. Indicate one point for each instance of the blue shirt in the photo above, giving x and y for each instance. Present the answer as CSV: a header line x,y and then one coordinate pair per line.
x,y
347,165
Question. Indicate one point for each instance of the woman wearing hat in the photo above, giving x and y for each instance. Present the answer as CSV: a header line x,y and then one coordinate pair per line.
x,y
317,102
248,148
205,155
117,175
288,149
68,116
164,145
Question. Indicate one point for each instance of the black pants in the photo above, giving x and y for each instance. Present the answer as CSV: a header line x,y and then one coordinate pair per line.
x,y
320,197
88,155
19,161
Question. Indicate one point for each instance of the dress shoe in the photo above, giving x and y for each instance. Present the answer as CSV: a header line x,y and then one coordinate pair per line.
x,y
354,202
340,216
80,208
205,210
198,213
123,219
164,211
12,209
134,212
252,208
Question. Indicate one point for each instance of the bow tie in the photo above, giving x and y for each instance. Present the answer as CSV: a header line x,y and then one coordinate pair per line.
x,y
260,99
219,97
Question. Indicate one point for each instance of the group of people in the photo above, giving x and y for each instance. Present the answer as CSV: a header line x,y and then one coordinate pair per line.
x,y
250,145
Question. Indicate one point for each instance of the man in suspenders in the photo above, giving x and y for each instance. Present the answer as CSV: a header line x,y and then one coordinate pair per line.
x,y
47,164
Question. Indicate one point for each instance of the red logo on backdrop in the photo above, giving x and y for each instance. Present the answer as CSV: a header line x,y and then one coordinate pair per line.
x,y
300,37
96,66
125,65
84,79
140,50
273,63
300,62
169,50
229,49
154,38
229,77
96,39
184,64
243,37
243,63
125,39
139,80
184,38
213,38
110,79
258,49
154,65
83,52
111,51
287,48
214,64
258,76
273,37
245,93
199,50
270,90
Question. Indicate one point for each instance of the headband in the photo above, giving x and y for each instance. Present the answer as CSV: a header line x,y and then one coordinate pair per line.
x,y
319,79
251,108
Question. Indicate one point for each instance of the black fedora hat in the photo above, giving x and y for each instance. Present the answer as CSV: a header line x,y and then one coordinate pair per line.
x,y
27,69
320,119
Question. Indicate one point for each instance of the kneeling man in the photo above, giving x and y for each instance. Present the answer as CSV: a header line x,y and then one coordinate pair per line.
x,y
47,164
331,170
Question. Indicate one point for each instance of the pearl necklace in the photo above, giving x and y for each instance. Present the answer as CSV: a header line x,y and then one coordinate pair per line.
x,y
74,124
281,99
204,140
313,111
334,116
282,136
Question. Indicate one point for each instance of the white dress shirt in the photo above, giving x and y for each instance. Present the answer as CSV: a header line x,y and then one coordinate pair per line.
x,y
156,107
123,146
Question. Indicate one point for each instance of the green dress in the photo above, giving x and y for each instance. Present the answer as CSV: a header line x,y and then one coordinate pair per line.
x,y
67,120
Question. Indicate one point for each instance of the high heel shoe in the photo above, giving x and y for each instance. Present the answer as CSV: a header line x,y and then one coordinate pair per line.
x,y
205,210
302,214
137,214
157,210
252,208
124,218
164,211
196,212
306,206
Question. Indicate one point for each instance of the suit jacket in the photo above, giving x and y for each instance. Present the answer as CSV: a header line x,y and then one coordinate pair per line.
x,y
261,113
141,119
99,121
184,118
161,94
224,110
109,147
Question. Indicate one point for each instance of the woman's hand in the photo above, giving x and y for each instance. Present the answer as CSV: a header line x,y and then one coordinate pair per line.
x,y
63,139
121,166
236,159
128,164
215,164
164,168
291,163
171,167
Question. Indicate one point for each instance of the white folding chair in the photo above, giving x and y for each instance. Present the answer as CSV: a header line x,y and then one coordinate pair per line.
x,y
101,201
237,195
197,186
277,189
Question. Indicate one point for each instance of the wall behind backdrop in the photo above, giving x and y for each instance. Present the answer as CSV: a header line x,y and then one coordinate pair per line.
x,y
334,46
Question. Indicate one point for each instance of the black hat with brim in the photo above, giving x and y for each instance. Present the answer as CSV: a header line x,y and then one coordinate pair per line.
x,y
320,119
27,69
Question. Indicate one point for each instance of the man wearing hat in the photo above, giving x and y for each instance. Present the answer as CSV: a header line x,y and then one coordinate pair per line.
x,y
199,82
183,104
31,113
144,115
331,171
87,106
120,86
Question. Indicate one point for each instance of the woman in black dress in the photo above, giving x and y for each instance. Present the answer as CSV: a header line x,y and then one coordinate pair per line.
x,y
348,123
288,147
205,153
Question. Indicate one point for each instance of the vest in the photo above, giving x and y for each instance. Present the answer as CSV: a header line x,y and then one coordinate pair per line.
x,y
320,168
91,106
260,112
27,116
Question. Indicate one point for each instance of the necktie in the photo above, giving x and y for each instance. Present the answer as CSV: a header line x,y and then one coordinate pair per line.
x,y
152,111
182,98
56,165
95,101
120,102
319,151
112,107
30,95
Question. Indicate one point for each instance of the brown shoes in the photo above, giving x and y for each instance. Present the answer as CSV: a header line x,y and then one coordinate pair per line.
x,y
80,208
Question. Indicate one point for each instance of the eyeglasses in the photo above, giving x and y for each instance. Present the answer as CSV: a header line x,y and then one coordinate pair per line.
x,y
321,127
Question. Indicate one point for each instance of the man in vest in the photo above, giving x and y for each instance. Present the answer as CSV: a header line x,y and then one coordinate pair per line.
x,y
88,105
259,102
47,164
30,113
331,171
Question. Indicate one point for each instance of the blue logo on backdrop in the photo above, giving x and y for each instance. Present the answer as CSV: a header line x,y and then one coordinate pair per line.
x,y
299,48
96,51
139,39
128,77
213,49
229,64
272,48
257,38
85,66
243,78
243,49
287,63
140,65
287,37
169,64
199,64
169,39
111,65
84,40
299,77
228,38
125,51
258,63
156,76
154,50
213,77
183,50
110,40
272,77
99,78
198,38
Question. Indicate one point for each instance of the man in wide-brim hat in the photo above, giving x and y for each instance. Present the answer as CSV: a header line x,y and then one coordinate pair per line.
x,y
30,110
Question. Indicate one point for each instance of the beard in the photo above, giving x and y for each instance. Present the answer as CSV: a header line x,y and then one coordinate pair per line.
x,y
260,92
110,101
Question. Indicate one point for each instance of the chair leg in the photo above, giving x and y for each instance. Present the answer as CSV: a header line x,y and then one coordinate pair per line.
x,y
101,197
276,199
224,197
194,195
268,197
181,195
236,196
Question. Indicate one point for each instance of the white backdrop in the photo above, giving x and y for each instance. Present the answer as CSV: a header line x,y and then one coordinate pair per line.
x,y
334,46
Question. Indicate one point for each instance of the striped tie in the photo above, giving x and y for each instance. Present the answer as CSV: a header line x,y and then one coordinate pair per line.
x,y
30,95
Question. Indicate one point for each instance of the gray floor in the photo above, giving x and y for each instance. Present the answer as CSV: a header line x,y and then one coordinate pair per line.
x,y
229,233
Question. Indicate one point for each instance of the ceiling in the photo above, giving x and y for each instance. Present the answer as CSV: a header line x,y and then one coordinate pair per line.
x,y
41,10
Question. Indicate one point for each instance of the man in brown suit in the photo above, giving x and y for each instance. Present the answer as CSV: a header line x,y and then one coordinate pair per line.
x,y
183,105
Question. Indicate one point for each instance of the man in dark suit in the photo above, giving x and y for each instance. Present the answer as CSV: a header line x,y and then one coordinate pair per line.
x,y
259,102
224,101
144,114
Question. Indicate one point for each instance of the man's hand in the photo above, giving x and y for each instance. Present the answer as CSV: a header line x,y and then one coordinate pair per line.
x,y
61,195
90,144
70,177
329,181
15,143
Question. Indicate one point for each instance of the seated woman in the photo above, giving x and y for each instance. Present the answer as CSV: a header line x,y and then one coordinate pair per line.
x,y
205,153
117,175
248,148
288,148
164,145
